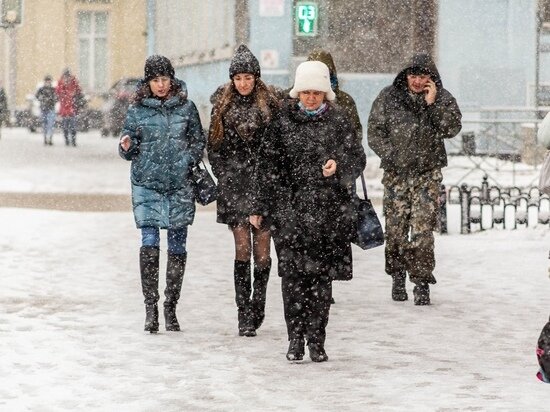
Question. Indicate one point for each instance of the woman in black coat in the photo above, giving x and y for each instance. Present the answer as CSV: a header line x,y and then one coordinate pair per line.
x,y
242,109
309,160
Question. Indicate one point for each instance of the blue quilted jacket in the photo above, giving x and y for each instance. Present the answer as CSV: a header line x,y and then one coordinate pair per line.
x,y
167,140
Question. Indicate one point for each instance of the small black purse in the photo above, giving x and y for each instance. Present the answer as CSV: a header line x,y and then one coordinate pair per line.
x,y
204,187
369,233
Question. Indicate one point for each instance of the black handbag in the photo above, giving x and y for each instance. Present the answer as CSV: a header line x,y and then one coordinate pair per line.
x,y
204,187
369,233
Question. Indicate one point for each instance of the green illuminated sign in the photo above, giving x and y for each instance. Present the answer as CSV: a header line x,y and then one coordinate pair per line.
x,y
307,15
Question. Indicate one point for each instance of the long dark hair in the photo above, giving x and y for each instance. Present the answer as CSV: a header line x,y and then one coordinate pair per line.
x,y
264,98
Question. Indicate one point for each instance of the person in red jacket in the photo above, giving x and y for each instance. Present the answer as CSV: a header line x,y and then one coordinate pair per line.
x,y
68,92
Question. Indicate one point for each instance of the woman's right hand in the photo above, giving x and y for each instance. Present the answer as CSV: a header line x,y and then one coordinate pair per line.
x,y
125,142
256,221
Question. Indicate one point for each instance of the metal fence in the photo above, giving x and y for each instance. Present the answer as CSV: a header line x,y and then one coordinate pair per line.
x,y
486,207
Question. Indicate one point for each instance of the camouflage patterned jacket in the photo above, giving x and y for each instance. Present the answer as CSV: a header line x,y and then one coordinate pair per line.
x,y
408,135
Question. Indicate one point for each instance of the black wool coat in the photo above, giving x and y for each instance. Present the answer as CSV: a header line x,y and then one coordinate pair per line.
x,y
311,216
233,162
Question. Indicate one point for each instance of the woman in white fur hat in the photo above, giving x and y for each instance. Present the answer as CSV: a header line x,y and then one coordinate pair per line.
x,y
307,164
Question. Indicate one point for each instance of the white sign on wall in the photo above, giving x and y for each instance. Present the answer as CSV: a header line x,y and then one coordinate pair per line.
x,y
269,59
272,8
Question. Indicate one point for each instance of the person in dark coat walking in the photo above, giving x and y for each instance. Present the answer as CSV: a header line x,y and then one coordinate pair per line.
x,y
407,125
308,162
163,138
242,110
47,98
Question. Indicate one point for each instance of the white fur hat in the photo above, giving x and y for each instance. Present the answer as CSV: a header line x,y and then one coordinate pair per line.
x,y
312,75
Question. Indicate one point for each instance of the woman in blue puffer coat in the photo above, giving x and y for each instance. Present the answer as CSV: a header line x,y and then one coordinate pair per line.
x,y
163,137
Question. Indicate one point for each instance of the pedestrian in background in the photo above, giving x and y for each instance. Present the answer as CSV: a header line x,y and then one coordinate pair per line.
x,y
47,98
68,92
163,138
4,111
242,110
309,159
407,125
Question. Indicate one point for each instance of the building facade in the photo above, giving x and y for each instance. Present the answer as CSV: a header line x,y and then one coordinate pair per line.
x,y
485,50
99,40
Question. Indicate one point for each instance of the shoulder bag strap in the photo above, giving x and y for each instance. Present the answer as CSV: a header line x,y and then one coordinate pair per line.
x,y
364,186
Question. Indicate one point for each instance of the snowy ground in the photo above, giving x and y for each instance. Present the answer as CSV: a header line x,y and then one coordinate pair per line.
x,y
71,315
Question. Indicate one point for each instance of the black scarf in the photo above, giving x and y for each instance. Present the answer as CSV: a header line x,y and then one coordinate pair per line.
x,y
244,116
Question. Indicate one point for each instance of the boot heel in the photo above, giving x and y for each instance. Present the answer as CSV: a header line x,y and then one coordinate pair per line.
x,y
151,318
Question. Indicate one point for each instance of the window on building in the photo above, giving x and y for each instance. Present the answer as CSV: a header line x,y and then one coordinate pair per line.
x,y
92,49
194,31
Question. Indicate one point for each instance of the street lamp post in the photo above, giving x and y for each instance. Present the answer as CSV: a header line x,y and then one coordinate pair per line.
x,y
12,70
11,16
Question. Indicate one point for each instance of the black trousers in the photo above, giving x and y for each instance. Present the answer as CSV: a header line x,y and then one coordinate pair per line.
x,y
306,301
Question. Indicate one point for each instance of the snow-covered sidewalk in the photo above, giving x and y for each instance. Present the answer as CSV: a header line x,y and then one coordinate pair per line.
x,y
72,318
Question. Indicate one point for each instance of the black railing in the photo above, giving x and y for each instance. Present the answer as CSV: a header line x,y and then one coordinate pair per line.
x,y
486,207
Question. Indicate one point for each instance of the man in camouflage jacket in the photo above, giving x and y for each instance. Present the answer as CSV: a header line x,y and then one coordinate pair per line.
x,y
407,124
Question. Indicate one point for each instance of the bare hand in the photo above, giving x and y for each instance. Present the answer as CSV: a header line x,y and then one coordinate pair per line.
x,y
256,221
329,168
431,92
125,142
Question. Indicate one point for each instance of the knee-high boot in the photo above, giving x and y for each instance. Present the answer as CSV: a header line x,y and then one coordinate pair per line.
x,y
175,268
149,267
243,289
261,277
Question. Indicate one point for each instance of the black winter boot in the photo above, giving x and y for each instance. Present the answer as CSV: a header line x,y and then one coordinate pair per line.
x,y
243,290
261,277
421,294
398,290
175,268
149,267
295,349
317,352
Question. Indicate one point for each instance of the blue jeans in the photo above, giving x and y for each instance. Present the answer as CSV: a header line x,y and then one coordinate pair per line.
x,y
177,239
48,123
68,124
